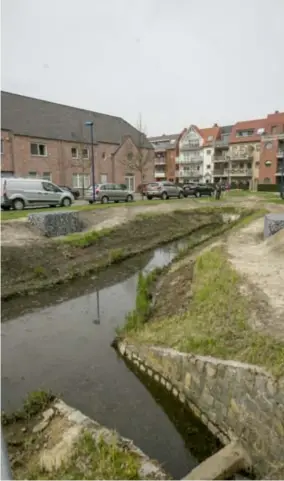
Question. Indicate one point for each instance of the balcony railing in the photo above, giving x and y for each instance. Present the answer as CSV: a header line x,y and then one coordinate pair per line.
x,y
189,147
158,174
189,160
188,173
280,153
240,156
161,161
221,158
233,172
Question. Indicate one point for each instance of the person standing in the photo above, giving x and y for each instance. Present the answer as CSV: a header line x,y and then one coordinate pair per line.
x,y
218,190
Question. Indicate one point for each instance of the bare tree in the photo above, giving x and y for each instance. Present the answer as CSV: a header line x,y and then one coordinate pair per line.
x,y
138,161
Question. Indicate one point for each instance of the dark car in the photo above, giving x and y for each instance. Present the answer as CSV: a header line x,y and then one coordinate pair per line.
x,y
198,190
75,192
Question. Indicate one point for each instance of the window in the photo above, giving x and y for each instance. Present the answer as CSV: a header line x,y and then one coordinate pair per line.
x,y
244,133
266,180
129,156
2,146
208,152
74,153
46,175
80,181
103,178
33,174
268,145
130,182
103,155
208,166
85,153
38,149
210,138
274,129
49,187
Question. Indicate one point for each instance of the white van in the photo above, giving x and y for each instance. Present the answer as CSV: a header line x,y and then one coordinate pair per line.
x,y
18,193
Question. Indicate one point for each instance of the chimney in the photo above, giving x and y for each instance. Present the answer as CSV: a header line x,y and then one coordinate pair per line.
x,y
215,125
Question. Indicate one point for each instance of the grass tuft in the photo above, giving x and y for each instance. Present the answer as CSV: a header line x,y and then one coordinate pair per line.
x,y
93,459
36,402
84,239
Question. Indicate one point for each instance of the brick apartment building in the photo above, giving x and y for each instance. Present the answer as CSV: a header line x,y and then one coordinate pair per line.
x,y
48,140
245,154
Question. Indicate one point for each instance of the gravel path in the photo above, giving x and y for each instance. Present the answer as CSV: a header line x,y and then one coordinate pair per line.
x,y
262,263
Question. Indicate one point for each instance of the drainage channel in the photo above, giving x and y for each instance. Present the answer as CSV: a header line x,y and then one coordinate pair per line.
x,y
60,340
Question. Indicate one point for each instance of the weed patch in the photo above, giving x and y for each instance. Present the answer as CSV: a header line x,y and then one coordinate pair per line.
x,y
36,402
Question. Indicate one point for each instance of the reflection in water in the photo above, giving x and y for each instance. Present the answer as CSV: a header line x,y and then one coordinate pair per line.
x,y
53,345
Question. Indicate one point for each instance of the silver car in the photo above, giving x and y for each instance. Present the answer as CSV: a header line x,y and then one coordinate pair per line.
x,y
105,193
163,190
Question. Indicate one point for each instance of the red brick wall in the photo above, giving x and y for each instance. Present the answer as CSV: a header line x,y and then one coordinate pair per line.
x,y
268,172
171,164
109,160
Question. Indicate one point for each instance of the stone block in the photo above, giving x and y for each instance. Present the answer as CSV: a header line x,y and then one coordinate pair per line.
x,y
53,224
273,223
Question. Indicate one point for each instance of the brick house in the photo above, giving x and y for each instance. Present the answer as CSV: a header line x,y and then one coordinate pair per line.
x,y
166,152
49,140
272,149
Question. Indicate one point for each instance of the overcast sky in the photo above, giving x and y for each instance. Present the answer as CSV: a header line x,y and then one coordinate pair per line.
x,y
176,62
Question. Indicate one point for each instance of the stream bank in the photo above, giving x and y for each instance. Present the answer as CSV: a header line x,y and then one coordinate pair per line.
x,y
31,267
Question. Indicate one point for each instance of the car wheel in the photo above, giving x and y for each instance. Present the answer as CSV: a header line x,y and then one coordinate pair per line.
x,y
90,202
18,204
180,196
104,199
129,198
66,202
149,197
164,196
116,201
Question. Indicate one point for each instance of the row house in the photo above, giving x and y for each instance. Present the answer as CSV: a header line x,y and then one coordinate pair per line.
x,y
271,168
51,141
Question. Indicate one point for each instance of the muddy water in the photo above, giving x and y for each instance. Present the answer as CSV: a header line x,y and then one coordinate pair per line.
x,y
61,341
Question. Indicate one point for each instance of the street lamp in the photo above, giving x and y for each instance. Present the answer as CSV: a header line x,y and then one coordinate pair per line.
x,y
90,124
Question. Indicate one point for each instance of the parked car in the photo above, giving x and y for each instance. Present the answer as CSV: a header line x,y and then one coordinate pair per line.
x,y
163,190
109,193
198,190
18,193
74,192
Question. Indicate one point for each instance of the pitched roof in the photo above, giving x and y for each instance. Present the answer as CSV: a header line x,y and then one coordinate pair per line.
x,y
248,125
42,119
213,132
164,137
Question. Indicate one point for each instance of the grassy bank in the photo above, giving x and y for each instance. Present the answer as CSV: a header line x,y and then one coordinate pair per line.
x,y
92,457
213,319
34,267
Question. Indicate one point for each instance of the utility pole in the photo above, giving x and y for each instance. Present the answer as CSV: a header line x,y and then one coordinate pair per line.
x,y
91,125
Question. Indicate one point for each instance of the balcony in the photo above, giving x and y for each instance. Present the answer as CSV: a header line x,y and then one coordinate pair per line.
x,y
161,161
188,173
239,172
222,144
280,154
221,158
197,159
240,156
159,175
189,147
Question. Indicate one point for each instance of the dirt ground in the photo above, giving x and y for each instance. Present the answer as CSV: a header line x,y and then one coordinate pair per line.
x,y
262,264
19,232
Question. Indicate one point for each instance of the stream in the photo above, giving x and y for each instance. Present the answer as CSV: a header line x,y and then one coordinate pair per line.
x,y
60,340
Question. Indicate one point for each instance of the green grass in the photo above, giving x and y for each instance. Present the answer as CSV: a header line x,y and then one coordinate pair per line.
x,y
84,239
216,322
93,459
36,402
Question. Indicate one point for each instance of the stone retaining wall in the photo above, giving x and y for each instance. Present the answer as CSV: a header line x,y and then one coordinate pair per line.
x,y
53,224
234,400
